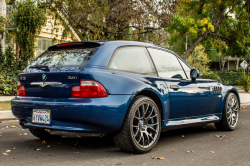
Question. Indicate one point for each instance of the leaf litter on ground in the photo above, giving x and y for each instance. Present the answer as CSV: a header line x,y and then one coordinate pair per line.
x,y
37,149
220,136
190,151
159,158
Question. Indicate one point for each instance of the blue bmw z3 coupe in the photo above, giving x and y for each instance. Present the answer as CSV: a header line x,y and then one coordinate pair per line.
x,y
132,90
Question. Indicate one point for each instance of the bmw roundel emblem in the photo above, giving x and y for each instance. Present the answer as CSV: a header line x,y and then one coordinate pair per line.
x,y
44,77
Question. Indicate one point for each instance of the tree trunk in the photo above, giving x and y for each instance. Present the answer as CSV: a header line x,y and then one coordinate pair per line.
x,y
197,41
247,81
161,41
3,14
201,37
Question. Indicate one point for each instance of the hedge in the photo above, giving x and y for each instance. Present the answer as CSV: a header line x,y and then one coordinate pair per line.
x,y
224,77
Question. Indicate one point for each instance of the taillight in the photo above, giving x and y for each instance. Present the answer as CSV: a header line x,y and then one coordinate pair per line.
x,y
88,89
20,89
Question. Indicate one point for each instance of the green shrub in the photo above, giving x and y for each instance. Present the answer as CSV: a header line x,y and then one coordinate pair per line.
x,y
244,81
211,75
229,78
10,67
8,83
198,59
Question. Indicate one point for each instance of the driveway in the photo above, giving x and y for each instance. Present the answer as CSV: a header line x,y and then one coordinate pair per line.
x,y
202,145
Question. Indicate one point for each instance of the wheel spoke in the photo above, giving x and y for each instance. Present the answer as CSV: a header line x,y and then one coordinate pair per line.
x,y
140,138
137,118
236,106
150,135
231,102
150,113
137,131
150,125
236,110
143,140
139,113
153,116
151,128
234,102
147,136
234,120
145,110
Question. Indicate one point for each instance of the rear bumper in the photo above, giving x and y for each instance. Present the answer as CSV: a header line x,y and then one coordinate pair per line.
x,y
96,115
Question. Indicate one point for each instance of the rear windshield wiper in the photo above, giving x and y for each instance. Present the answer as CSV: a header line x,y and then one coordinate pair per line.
x,y
39,66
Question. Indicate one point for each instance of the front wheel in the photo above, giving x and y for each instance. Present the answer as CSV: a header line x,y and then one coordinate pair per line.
x,y
230,114
141,127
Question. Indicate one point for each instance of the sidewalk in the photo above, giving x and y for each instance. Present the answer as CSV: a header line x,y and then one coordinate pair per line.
x,y
6,98
245,98
7,115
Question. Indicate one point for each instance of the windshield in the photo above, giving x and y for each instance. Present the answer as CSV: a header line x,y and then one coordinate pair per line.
x,y
65,58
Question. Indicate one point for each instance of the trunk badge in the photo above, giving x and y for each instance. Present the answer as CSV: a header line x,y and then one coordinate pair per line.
x,y
44,84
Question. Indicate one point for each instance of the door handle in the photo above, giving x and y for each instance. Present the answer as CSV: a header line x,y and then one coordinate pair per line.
x,y
174,87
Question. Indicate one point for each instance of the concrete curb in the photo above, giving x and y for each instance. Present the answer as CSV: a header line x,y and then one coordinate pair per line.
x,y
6,98
7,115
245,103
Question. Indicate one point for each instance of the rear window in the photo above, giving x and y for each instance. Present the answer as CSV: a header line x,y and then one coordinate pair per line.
x,y
65,58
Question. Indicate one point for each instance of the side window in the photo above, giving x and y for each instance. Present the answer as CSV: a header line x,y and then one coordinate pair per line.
x,y
166,64
132,59
186,68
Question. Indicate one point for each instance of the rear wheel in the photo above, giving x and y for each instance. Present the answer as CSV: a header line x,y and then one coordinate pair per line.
x,y
141,127
230,114
43,134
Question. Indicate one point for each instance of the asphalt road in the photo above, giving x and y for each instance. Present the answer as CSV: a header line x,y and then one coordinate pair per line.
x,y
191,146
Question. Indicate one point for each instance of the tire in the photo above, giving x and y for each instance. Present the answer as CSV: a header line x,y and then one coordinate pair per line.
x,y
43,134
141,127
230,114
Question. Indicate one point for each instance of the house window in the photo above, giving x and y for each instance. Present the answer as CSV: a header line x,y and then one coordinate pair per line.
x,y
42,45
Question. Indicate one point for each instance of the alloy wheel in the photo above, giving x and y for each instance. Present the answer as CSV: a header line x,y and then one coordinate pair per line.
x,y
145,124
232,111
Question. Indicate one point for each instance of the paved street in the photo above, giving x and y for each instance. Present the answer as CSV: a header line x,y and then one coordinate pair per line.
x,y
191,146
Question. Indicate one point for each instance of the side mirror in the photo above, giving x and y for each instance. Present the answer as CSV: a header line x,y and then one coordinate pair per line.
x,y
194,73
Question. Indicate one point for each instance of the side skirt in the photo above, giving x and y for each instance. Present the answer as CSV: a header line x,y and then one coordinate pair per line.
x,y
190,121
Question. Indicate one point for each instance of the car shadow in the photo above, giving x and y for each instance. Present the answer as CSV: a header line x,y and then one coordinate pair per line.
x,y
105,144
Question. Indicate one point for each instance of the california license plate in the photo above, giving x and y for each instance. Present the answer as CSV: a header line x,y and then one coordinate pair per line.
x,y
41,116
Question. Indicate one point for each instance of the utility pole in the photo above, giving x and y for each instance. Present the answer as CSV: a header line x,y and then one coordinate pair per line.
x,y
186,41
3,14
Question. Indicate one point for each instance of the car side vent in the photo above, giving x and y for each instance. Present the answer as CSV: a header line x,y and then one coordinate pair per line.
x,y
216,90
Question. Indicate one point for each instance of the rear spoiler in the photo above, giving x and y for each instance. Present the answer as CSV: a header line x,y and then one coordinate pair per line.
x,y
75,45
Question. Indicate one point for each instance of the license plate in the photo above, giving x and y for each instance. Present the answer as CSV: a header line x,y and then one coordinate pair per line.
x,y
41,116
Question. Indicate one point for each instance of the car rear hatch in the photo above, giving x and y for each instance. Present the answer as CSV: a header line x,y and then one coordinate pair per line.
x,y
56,70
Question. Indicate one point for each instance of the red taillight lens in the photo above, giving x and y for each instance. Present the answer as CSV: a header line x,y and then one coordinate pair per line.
x,y
20,89
88,89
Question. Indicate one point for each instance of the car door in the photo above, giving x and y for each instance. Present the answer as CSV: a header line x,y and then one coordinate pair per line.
x,y
187,98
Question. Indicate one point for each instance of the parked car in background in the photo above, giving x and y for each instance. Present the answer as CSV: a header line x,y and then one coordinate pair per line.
x,y
132,90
